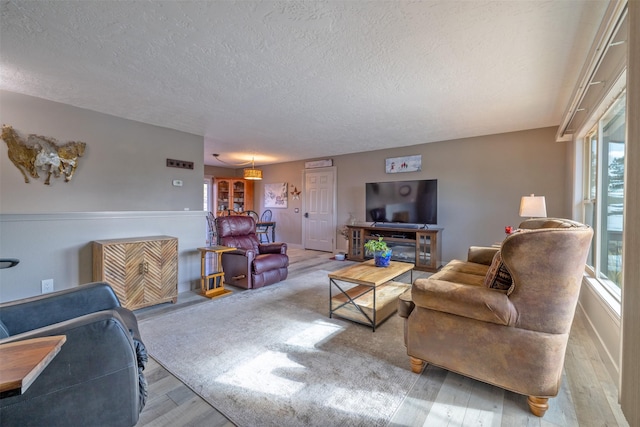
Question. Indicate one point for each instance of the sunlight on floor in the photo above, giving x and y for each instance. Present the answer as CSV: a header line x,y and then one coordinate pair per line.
x,y
318,332
258,373
343,399
462,401
453,415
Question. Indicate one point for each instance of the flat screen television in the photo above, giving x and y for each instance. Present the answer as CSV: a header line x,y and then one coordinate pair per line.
x,y
408,202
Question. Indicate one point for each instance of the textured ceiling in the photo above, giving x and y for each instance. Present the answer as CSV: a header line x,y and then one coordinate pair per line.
x,y
290,80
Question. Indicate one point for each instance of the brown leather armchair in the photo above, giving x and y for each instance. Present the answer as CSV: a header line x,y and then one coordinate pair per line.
x,y
253,264
515,337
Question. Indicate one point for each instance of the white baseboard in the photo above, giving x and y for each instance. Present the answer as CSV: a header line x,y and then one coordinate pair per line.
x,y
603,326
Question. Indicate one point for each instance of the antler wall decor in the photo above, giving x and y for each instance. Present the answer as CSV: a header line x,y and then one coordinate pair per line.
x,y
40,153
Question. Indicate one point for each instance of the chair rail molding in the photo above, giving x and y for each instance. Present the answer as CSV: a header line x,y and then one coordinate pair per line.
x,y
57,245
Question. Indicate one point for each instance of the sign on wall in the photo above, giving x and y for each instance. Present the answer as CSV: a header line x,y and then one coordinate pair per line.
x,y
403,164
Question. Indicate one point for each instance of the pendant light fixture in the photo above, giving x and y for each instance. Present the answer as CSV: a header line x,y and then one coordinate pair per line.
x,y
252,173
249,173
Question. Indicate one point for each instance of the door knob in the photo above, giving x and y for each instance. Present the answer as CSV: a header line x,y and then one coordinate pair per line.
x,y
306,214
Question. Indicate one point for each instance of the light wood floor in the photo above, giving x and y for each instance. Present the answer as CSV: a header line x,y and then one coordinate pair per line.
x,y
438,398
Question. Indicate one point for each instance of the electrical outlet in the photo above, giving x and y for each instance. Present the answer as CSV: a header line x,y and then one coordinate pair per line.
x,y
47,286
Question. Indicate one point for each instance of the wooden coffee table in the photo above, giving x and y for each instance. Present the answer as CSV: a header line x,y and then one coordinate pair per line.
x,y
367,294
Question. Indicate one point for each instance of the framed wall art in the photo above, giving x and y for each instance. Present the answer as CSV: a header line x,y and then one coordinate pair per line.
x,y
275,195
403,164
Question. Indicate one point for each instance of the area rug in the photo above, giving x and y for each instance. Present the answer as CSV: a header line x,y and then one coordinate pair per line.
x,y
273,357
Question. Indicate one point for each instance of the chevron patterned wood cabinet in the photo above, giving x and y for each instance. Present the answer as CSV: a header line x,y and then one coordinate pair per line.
x,y
142,271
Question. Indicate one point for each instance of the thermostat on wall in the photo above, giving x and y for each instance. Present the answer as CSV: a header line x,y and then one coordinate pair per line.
x,y
177,183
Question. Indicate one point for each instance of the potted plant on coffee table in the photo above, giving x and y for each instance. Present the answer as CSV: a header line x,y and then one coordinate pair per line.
x,y
380,250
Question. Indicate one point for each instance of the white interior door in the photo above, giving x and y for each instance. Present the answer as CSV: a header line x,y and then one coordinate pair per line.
x,y
318,223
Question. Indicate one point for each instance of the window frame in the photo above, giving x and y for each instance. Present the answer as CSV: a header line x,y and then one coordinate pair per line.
x,y
208,190
610,291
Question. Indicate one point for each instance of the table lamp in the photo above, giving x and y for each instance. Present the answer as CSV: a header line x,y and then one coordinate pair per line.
x,y
533,206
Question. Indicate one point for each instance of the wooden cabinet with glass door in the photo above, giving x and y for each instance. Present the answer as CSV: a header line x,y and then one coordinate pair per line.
x,y
233,195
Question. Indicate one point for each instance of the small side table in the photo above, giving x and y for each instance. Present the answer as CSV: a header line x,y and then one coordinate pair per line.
x,y
23,361
212,283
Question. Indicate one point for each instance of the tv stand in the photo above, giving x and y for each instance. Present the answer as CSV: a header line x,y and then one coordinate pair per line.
x,y
398,225
419,246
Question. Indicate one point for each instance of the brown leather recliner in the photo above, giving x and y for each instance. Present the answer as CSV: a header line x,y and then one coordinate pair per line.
x,y
515,337
253,264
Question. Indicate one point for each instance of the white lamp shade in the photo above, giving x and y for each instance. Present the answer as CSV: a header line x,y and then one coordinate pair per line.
x,y
533,207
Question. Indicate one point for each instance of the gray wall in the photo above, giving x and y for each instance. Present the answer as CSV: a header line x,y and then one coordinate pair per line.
x,y
480,182
219,171
122,188
123,168
58,246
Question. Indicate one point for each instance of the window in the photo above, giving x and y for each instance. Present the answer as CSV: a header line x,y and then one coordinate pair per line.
x,y
206,206
603,198
205,196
